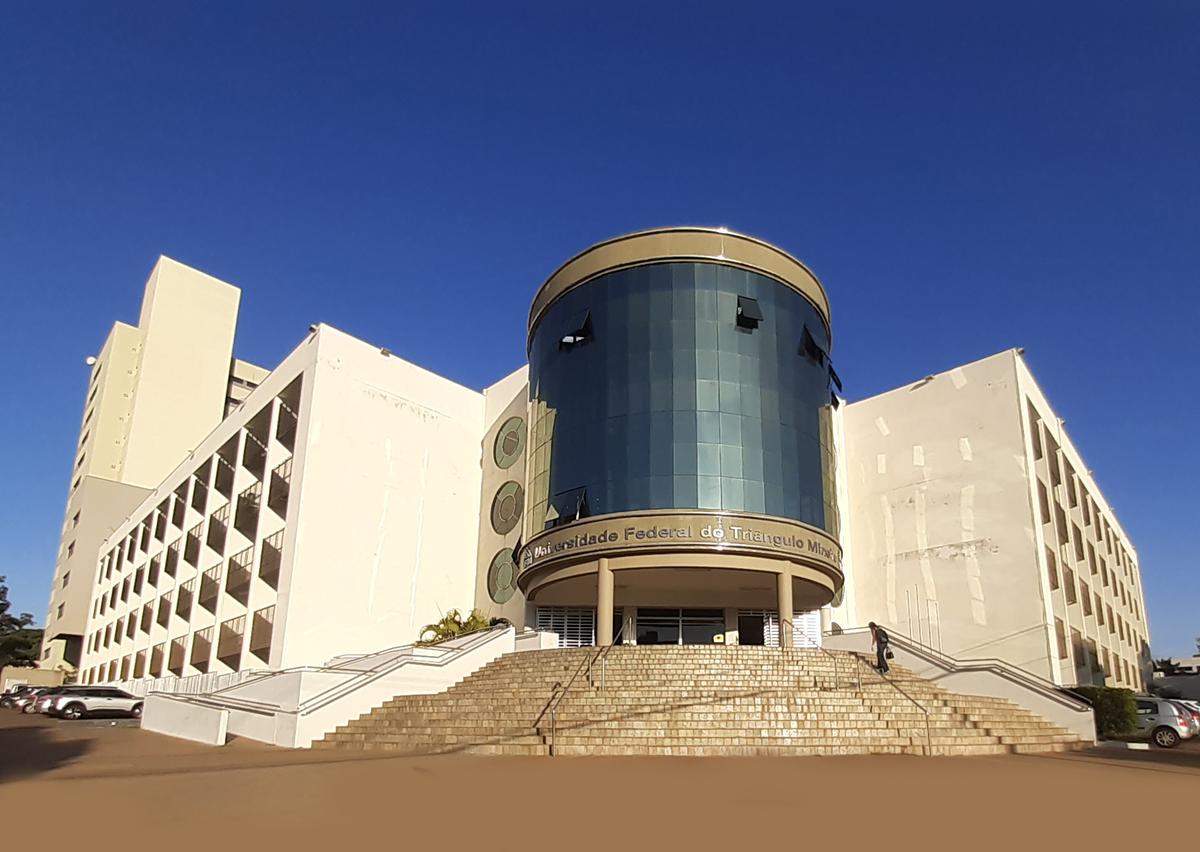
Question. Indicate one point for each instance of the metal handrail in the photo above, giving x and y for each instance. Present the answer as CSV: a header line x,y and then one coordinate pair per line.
x,y
917,704
826,652
558,691
994,664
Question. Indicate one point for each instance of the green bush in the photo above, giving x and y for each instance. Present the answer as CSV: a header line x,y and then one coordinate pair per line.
x,y
1115,709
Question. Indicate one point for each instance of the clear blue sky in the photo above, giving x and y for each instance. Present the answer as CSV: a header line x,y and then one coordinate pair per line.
x,y
963,181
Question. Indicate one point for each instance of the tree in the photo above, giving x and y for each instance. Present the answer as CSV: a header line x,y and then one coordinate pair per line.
x,y
1166,666
19,641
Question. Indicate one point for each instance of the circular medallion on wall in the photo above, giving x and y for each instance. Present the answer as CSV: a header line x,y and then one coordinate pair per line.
x,y
502,576
507,506
510,442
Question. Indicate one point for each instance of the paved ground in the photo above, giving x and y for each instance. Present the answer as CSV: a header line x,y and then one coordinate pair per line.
x,y
115,786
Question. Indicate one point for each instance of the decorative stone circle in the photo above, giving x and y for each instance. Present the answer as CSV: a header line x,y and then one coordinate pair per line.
x,y
510,443
507,506
502,576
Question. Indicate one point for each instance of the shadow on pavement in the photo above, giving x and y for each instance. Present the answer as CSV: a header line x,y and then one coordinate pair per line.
x,y
27,751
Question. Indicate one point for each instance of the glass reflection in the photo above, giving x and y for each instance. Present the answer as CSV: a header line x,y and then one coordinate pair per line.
x,y
667,403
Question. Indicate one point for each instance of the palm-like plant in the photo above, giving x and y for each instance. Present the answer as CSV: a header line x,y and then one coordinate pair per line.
x,y
452,624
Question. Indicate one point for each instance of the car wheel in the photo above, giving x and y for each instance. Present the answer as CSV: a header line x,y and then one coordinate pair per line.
x,y
136,712
73,711
28,708
1166,737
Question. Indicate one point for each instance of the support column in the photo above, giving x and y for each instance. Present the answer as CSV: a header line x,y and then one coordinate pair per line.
x,y
783,597
604,604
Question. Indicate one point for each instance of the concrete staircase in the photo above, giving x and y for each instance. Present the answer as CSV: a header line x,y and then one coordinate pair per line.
x,y
697,700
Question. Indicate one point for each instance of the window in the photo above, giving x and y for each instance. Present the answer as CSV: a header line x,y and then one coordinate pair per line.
x,y
1043,502
567,506
1035,430
70,550
1060,633
1091,558
75,520
1085,594
812,350
1069,476
1099,610
1078,540
61,609
79,463
75,484
749,315
1112,626
66,578
1069,578
579,331
1052,568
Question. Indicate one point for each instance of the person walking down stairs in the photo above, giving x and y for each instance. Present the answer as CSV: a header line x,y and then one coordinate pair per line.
x,y
880,641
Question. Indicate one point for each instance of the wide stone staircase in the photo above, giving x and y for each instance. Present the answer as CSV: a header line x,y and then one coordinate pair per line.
x,y
697,700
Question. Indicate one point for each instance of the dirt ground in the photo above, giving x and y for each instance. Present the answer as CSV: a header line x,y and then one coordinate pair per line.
x,y
115,786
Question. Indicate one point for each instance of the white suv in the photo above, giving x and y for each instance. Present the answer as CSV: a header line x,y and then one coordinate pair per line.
x,y
95,701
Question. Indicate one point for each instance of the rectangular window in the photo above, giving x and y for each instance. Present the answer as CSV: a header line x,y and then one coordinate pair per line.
x,y
75,520
66,578
1085,595
1099,611
1052,568
70,550
1060,633
61,609
1035,432
749,315
1043,502
1069,579
1078,541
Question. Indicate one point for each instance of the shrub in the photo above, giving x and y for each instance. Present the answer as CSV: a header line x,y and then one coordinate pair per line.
x,y
453,624
1115,709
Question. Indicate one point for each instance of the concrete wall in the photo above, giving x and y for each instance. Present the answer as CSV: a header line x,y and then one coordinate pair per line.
x,y
187,322
940,522
105,504
387,483
507,398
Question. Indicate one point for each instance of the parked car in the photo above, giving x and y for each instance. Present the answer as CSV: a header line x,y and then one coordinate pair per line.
x,y
95,701
25,701
8,699
1192,714
1163,722
41,704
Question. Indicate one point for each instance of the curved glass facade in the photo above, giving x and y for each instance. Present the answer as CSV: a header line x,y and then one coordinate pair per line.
x,y
649,393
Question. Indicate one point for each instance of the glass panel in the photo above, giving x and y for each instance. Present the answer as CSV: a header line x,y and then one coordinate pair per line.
x,y
670,405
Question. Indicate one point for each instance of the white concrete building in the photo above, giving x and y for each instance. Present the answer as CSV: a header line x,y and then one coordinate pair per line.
x,y
155,390
325,515
348,498
973,525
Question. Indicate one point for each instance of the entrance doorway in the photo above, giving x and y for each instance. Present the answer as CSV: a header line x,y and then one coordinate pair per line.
x,y
680,626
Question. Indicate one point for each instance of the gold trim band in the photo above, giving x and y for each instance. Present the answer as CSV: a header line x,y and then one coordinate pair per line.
x,y
715,245
711,534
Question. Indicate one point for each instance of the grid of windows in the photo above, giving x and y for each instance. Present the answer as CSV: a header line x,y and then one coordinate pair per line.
x,y
202,598
1107,629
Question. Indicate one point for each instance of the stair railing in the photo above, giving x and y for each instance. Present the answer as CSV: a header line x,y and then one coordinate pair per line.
x,y
787,623
559,691
915,703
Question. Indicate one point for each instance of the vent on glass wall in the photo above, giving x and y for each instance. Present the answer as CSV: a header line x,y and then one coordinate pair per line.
x,y
579,331
567,506
749,315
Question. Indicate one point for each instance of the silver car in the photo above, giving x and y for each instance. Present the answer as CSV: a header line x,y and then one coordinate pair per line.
x,y
1163,722
94,701
1190,713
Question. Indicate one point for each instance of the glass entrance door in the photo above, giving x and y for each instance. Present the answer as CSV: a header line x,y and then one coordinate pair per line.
x,y
680,626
